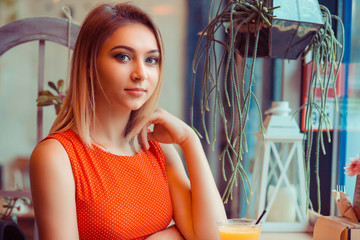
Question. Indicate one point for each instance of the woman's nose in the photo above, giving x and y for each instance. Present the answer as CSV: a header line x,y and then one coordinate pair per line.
x,y
139,72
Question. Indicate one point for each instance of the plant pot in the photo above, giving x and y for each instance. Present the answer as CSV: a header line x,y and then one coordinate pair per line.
x,y
291,31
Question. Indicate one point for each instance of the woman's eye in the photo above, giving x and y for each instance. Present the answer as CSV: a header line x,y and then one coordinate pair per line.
x,y
152,60
122,57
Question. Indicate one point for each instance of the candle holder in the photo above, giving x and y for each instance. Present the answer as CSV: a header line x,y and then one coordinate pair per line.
x,y
278,178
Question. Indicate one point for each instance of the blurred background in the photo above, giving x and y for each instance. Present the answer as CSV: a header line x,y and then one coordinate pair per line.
x,y
179,21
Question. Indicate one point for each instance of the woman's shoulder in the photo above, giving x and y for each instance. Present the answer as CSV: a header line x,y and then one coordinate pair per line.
x,y
50,172
48,149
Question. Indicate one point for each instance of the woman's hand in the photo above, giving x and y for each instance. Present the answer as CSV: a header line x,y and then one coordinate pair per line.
x,y
167,129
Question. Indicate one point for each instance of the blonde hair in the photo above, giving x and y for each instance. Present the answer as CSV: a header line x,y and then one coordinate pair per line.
x,y
78,110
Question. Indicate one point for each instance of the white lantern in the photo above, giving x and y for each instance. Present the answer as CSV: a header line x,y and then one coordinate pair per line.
x,y
278,178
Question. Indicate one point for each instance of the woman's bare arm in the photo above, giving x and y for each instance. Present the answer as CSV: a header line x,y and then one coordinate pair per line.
x,y
53,191
196,200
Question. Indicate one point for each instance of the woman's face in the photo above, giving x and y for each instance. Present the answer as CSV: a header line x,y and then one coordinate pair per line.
x,y
128,67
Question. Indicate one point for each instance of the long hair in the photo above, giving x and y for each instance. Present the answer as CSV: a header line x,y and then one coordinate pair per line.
x,y
78,110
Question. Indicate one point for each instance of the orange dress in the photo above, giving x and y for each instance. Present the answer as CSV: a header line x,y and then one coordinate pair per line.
x,y
118,197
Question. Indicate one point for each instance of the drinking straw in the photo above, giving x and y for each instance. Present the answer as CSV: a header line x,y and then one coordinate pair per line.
x,y
261,216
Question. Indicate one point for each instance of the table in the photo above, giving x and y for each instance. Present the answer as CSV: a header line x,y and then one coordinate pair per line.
x,y
285,236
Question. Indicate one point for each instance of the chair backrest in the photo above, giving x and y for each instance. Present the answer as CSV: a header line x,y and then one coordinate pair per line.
x,y
40,29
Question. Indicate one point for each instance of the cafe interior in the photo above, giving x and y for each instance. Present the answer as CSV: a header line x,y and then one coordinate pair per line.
x,y
280,126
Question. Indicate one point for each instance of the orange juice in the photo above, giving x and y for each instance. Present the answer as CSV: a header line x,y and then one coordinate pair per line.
x,y
239,229
240,233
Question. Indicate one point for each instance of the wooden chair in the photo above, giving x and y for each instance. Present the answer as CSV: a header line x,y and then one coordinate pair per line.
x,y
41,29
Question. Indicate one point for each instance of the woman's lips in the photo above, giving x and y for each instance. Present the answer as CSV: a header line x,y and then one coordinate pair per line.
x,y
137,92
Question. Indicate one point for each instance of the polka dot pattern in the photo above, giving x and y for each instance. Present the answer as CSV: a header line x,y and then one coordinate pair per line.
x,y
118,197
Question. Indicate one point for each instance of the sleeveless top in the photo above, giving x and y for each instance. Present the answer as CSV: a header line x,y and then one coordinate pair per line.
x,y
118,197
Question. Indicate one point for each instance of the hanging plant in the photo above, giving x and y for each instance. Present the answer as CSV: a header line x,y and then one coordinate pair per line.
x,y
327,52
229,91
220,74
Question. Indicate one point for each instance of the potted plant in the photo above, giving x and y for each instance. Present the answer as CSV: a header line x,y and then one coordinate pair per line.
x,y
256,28
47,98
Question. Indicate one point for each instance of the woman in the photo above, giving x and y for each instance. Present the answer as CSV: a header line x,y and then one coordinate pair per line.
x,y
101,174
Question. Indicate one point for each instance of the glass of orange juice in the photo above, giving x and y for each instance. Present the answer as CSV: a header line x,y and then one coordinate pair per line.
x,y
239,229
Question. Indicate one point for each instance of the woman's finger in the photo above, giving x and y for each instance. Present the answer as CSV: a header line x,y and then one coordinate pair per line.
x,y
167,127
143,139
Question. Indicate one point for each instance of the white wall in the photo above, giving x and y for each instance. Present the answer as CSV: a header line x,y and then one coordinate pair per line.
x,y
18,68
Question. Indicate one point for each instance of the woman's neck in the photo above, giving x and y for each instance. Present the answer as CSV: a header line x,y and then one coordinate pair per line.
x,y
109,128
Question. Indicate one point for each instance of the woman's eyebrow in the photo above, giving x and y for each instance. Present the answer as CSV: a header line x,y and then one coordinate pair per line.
x,y
132,49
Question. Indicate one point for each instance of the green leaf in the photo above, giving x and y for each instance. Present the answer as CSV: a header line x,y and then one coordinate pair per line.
x,y
44,101
45,93
53,86
60,85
